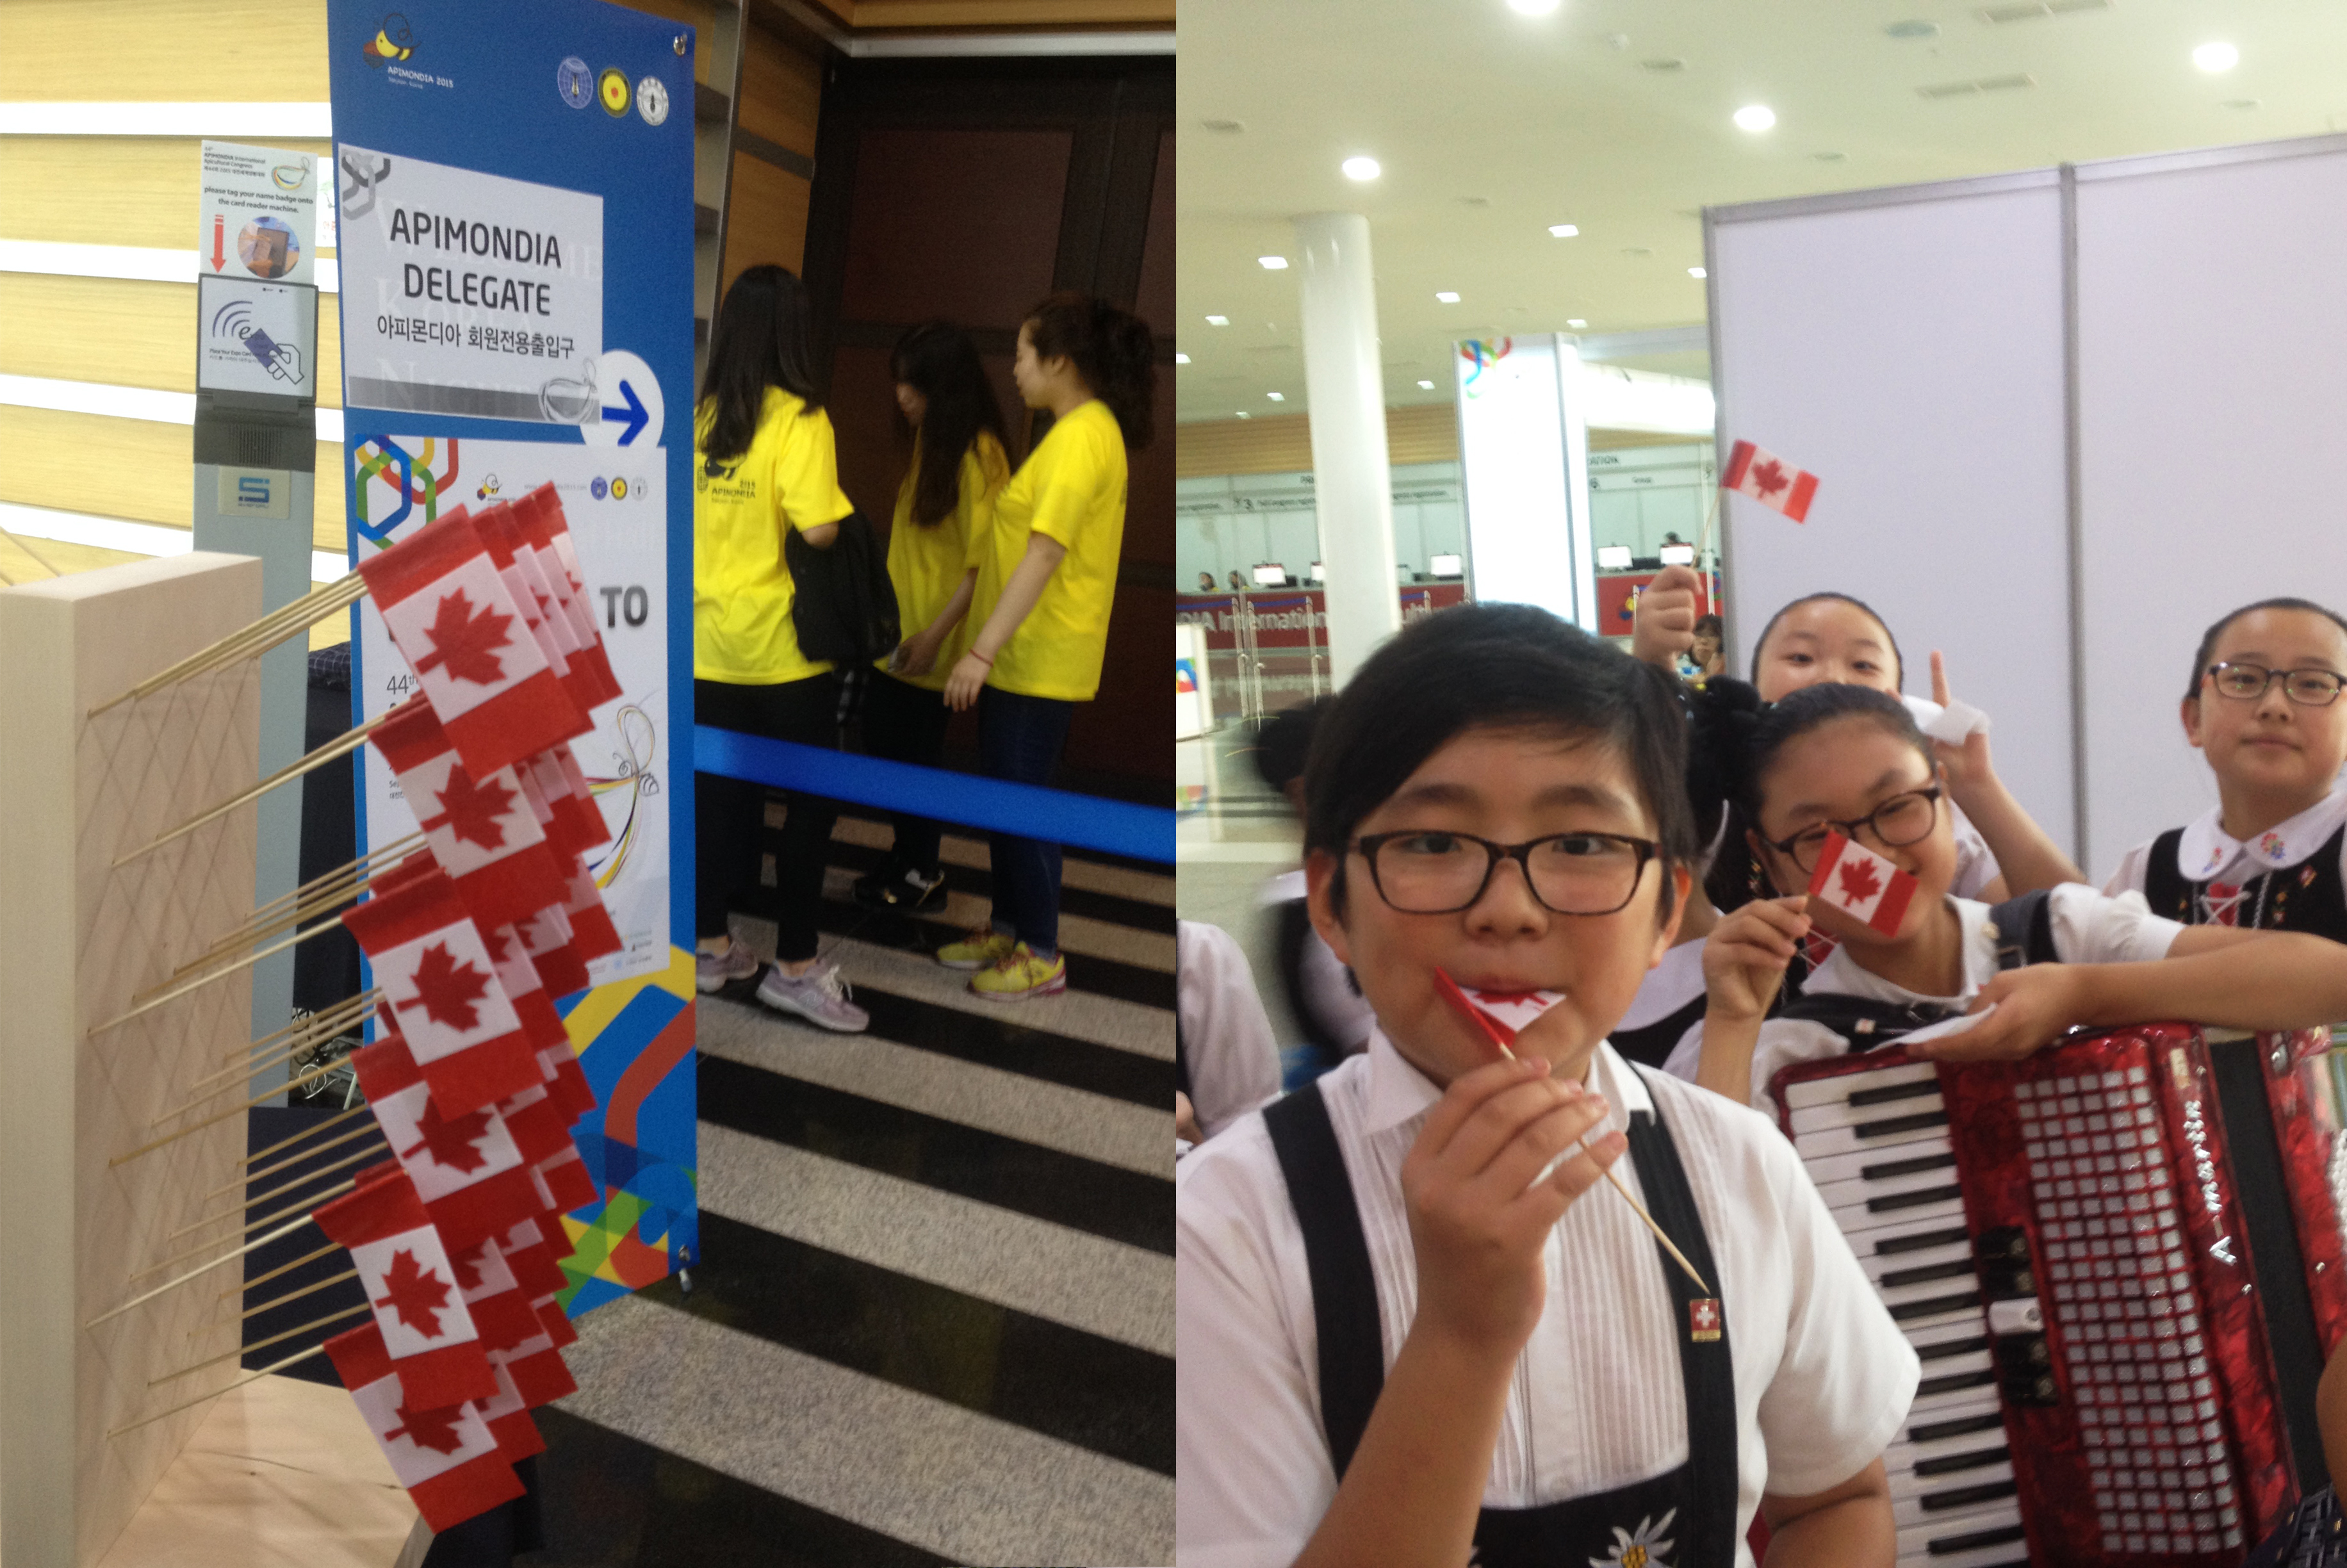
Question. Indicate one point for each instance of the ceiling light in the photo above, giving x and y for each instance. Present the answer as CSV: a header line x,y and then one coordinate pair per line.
x,y
1576,324
1531,7
1829,157
1446,297
1273,264
1563,231
1218,321
1276,397
2218,56
1362,168
1663,66
1697,273
1755,118
2240,103
1915,29
1245,415
1425,386
1226,126
1181,359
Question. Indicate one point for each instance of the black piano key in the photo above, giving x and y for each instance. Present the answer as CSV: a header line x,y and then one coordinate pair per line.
x,y
1890,1168
1991,1420
1955,1381
1921,1240
1960,1269
1897,1201
1953,1464
1948,1348
1973,1543
1934,1305
1966,1496
1884,1094
1902,1124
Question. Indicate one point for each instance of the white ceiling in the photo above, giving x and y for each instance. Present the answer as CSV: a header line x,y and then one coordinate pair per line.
x,y
1492,125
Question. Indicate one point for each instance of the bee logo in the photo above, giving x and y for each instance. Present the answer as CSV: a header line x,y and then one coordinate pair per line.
x,y
392,41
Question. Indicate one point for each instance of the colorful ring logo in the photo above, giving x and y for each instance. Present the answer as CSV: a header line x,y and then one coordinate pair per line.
x,y
1481,357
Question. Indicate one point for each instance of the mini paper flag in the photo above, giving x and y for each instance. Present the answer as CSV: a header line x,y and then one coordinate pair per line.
x,y
533,1260
448,609
507,1415
558,1322
471,1173
519,1344
482,831
591,931
546,936
578,825
404,1270
541,517
537,1123
507,548
567,1179
1769,480
539,1020
567,1083
443,989
447,1458
1500,1015
1861,885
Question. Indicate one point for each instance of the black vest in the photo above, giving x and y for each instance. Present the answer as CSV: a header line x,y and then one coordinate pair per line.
x,y
1693,1506
2302,897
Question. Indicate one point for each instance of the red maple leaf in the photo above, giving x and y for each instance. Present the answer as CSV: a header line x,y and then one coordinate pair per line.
x,y
498,938
1506,999
434,1429
1768,477
414,1293
471,810
468,1266
447,990
453,1144
1858,882
466,640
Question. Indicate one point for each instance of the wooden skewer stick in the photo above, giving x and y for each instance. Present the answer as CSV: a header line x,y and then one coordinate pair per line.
x,y
317,1029
266,632
342,1010
279,1301
280,1268
272,1339
306,1133
1703,544
309,889
304,1206
273,1195
311,1076
320,894
197,1273
255,1175
188,988
318,1350
340,747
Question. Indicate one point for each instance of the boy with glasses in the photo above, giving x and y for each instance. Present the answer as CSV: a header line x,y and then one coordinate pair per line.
x,y
1415,1331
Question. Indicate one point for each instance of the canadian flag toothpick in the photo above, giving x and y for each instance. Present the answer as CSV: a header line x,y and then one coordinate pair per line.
x,y
1500,1015
1769,480
426,1333
445,1456
1861,885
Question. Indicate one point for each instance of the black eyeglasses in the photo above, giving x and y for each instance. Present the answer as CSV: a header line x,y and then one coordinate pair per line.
x,y
2250,683
1902,820
1421,873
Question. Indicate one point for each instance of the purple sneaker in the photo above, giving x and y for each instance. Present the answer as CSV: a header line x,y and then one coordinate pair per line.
x,y
819,996
715,973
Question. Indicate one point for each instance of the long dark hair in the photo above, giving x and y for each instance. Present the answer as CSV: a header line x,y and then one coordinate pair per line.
x,y
2209,638
1111,349
760,341
938,360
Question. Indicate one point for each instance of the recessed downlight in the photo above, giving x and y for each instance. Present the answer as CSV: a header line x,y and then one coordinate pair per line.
x,y
1273,264
1218,321
1425,386
1362,168
1575,322
1446,297
2215,56
1697,273
1181,359
1755,118
1563,231
1276,397
1245,415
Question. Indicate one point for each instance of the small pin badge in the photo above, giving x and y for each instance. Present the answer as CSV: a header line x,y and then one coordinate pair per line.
x,y
1703,1320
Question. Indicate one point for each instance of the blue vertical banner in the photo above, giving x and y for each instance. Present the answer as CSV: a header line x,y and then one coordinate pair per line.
x,y
514,186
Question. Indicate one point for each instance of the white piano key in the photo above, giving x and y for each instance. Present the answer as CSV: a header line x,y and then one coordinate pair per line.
x,y
1907,1513
1870,1234
1906,1484
1925,1100
1823,1090
2011,1555
1859,1190
1983,1404
1951,1293
1878,1264
1904,1453
1926,1332
1844,1140
1844,1167
1922,1537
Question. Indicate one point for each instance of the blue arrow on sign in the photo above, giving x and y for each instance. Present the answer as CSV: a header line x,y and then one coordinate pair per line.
x,y
636,415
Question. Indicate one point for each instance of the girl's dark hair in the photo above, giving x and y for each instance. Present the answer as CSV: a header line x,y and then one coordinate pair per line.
x,y
1494,666
1709,625
1740,754
1111,349
938,360
760,341
2209,638
1284,742
1898,660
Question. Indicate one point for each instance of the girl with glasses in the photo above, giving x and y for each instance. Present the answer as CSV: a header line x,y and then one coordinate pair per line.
x,y
2263,708
1845,759
1413,1324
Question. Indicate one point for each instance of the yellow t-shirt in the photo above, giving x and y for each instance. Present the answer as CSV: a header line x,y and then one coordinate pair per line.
x,y
926,564
789,478
1070,490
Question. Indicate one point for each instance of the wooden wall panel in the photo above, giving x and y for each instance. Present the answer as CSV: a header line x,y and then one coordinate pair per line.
x,y
163,51
1154,301
139,469
106,190
954,222
125,333
1044,14
782,91
769,219
1282,442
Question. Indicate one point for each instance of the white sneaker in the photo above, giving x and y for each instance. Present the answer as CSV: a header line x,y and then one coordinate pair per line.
x,y
819,996
715,972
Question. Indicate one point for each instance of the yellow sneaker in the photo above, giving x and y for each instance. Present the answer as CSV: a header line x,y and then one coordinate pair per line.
x,y
1019,975
982,948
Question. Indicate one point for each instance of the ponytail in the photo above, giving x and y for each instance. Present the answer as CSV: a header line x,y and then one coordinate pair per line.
x,y
1112,350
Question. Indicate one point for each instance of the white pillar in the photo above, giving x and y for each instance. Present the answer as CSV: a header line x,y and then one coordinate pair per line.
x,y
1523,459
1352,482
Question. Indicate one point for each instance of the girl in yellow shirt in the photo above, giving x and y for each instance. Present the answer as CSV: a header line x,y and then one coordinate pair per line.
x,y
763,465
1045,585
944,510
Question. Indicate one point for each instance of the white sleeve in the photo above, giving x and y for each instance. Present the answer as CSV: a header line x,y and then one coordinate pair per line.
x,y
1226,1039
1327,989
1783,1042
1847,1376
2132,865
1248,1441
2091,927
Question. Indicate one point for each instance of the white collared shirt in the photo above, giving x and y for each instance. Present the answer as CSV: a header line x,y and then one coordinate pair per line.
x,y
1226,1040
1823,1379
2088,927
2206,852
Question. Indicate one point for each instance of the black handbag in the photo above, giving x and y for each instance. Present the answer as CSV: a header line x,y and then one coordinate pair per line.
x,y
843,606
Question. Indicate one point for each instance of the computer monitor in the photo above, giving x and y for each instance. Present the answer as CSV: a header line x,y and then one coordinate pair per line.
x,y
1446,566
1319,571
1613,558
1273,576
1678,555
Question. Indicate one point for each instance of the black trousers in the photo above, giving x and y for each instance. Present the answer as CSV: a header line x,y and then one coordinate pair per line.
x,y
906,723
733,814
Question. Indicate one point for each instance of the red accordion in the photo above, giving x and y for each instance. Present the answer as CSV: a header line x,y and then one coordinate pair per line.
x,y
2120,1262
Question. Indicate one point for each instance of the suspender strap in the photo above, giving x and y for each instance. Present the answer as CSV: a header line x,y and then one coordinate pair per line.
x,y
2164,887
1344,1290
1707,1528
2025,930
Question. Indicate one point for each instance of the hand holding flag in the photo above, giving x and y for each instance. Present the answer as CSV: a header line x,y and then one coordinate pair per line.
x,y
1861,884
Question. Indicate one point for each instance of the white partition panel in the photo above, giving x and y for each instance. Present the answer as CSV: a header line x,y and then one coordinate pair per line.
x,y
2213,419
1907,346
